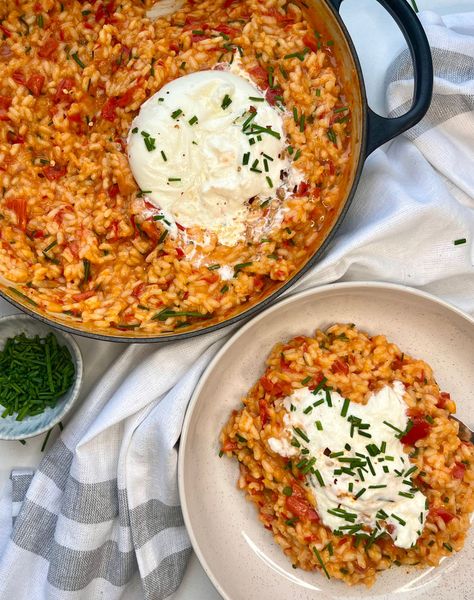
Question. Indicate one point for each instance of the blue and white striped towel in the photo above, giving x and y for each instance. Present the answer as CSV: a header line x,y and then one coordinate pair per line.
x,y
101,517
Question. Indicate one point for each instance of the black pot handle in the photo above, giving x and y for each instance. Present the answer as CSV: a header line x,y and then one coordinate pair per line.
x,y
381,129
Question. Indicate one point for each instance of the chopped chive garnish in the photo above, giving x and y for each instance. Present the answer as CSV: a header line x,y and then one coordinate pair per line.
x,y
301,433
291,522
318,402
448,547
297,154
269,181
221,453
320,560
290,150
319,425
226,102
175,114
255,99
213,267
328,398
345,407
162,237
246,158
294,442
299,55
342,109
193,120
460,241
320,385
331,135
385,469
308,409
359,493
149,143
284,72
319,477
241,266
391,458
224,289
397,518
429,419
377,487
135,130
241,438
406,494
383,447
295,115
174,179
306,380
163,155
302,122
392,427
411,470
75,56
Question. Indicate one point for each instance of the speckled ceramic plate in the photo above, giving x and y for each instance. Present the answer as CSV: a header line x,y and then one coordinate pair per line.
x,y
237,553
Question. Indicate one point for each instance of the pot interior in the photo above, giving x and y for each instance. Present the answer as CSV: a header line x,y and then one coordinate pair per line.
x,y
327,27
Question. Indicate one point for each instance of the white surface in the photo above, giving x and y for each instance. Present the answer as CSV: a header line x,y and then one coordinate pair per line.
x,y
377,33
421,326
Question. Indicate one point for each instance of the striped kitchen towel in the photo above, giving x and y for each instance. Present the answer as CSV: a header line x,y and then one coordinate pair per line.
x,y
100,518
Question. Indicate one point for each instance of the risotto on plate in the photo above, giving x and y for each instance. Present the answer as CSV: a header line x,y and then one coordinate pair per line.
x,y
346,448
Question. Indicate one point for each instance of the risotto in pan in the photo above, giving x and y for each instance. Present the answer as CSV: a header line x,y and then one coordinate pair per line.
x,y
164,163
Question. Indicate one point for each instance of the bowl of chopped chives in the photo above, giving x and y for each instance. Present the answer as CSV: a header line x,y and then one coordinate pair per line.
x,y
40,376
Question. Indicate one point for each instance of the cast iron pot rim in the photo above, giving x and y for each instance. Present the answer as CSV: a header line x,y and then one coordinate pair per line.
x,y
271,298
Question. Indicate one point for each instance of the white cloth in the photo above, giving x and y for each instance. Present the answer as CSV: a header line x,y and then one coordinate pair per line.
x,y
101,515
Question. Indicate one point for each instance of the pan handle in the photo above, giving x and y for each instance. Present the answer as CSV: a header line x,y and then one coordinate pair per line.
x,y
381,129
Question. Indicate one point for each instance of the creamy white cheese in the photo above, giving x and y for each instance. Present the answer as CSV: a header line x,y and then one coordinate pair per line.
x,y
374,488
203,146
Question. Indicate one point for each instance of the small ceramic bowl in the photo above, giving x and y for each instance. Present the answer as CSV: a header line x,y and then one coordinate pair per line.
x,y
10,428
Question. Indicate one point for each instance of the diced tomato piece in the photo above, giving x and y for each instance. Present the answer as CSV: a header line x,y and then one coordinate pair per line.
x,y
339,366
272,94
397,364
109,109
228,446
211,277
37,235
113,191
260,75
125,100
6,32
180,227
63,92
14,138
443,398
284,366
458,471
419,430
226,30
263,409
284,19
35,84
75,118
5,102
302,188
310,42
180,253
83,296
138,290
105,11
174,47
48,49
443,513
301,508
267,384
19,77
56,172
228,3
19,207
